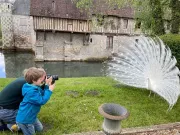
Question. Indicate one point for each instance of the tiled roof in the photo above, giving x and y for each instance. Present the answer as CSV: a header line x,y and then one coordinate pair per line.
x,y
56,8
67,9
101,6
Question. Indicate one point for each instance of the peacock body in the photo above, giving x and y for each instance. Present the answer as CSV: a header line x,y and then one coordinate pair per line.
x,y
147,63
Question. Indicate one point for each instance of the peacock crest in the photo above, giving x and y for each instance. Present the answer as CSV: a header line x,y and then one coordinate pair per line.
x,y
147,63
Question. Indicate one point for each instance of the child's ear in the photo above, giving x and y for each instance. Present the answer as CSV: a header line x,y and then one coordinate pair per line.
x,y
33,81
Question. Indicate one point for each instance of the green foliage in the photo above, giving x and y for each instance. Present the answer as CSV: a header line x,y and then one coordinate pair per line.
x,y
158,27
119,3
173,41
83,4
65,114
150,13
100,19
144,16
175,22
87,4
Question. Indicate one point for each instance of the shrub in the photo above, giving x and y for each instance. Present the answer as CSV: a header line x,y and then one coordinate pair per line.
x,y
173,41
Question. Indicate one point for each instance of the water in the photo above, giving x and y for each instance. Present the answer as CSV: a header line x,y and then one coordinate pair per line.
x,y
12,65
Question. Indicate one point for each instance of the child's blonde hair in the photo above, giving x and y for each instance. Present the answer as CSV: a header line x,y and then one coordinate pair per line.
x,y
33,74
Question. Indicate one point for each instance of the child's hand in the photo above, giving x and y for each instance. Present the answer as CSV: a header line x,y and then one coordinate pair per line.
x,y
49,81
51,87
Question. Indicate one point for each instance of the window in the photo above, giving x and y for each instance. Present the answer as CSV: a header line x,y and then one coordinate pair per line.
x,y
109,42
91,40
45,36
125,23
71,37
138,24
37,36
86,39
69,25
136,40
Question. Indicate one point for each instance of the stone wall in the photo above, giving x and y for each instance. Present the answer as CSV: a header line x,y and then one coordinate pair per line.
x,y
17,30
23,32
70,46
123,40
6,25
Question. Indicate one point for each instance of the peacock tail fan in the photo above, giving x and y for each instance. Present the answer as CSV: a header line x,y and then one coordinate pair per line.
x,y
147,63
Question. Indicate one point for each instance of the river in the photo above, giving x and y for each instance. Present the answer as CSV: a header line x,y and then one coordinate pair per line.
x,y
12,65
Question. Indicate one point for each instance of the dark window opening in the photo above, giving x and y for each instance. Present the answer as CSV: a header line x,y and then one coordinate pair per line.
x,y
86,39
109,42
136,40
69,21
125,23
37,37
115,7
91,40
138,24
71,37
45,36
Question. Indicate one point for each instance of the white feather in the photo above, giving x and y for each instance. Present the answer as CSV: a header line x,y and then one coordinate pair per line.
x,y
147,64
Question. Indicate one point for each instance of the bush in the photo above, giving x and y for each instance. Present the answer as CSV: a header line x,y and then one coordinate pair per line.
x,y
173,41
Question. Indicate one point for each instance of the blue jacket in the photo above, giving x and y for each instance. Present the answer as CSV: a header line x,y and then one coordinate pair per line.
x,y
29,108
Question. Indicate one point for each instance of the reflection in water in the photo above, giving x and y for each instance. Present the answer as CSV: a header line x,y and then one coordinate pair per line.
x,y
15,63
2,66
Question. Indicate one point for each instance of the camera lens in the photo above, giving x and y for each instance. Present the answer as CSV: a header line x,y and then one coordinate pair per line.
x,y
55,77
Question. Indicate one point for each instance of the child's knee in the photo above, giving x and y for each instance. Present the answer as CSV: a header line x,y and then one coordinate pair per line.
x,y
39,128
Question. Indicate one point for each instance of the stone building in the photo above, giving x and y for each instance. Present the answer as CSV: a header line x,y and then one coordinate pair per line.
x,y
17,24
58,31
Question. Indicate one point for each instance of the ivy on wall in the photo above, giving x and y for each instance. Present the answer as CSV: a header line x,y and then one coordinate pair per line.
x,y
175,20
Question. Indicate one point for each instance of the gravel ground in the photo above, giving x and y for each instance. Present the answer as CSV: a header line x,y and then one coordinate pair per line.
x,y
164,129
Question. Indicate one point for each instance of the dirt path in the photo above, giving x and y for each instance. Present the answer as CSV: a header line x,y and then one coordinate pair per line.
x,y
163,129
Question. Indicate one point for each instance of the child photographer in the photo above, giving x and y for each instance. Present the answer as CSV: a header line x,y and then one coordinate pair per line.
x,y
34,98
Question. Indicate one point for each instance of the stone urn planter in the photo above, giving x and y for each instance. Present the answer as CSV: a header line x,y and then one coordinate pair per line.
x,y
113,115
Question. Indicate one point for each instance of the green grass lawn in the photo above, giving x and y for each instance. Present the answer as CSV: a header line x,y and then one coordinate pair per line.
x,y
78,112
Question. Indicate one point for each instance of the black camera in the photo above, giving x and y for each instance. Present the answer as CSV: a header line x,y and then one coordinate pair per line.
x,y
54,78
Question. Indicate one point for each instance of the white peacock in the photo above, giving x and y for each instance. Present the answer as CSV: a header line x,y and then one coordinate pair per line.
x,y
148,64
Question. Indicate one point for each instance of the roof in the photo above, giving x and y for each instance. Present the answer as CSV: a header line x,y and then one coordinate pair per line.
x,y
67,9
56,8
125,12
102,6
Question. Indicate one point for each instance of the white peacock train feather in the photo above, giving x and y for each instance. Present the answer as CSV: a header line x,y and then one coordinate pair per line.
x,y
148,64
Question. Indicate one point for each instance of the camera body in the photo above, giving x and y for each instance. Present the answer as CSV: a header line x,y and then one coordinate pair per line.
x,y
54,78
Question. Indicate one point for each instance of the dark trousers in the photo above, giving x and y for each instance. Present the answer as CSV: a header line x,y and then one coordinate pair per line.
x,y
7,116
